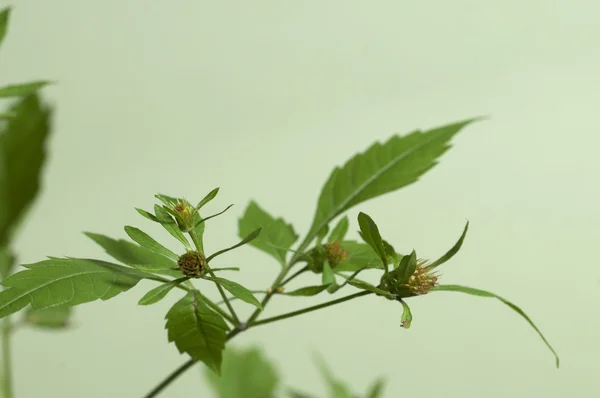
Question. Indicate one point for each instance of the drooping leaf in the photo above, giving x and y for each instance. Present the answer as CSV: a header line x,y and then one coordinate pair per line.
x,y
360,255
383,168
4,18
406,319
160,292
131,254
452,251
69,281
251,236
23,89
339,231
197,330
210,196
6,261
336,388
22,156
274,231
376,390
237,290
49,318
370,234
483,293
406,268
360,284
245,374
169,223
145,240
307,291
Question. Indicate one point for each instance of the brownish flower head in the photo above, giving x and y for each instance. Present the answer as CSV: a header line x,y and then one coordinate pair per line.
x,y
185,214
191,264
423,279
335,253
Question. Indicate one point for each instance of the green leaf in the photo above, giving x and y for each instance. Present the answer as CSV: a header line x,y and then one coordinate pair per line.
x,y
169,223
322,233
210,196
49,318
483,293
251,236
6,261
390,252
23,89
22,156
339,231
197,330
274,231
370,234
360,255
237,290
360,284
131,254
197,233
245,374
166,199
160,292
298,394
406,319
148,215
328,278
153,269
307,291
145,240
69,281
376,390
4,18
337,389
452,251
407,267
383,168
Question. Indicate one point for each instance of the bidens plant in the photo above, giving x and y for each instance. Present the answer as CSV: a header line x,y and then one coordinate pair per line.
x,y
200,327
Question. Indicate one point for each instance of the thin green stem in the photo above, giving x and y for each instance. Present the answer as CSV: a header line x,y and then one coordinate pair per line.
x,y
218,309
231,298
7,391
236,320
290,278
309,309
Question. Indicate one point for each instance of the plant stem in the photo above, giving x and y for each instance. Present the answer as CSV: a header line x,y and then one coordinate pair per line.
x,y
303,270
236,320
309,309
6,360
235,298
218,309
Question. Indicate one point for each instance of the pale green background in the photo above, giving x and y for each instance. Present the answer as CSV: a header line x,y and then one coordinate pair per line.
x,y
263,98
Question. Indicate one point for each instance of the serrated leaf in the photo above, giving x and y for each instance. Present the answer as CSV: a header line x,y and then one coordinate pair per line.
x,y
160,292
360,284
145,240
406,319
274,231
237,290
307,291
251,236
483,293
383,168
339,231
371,235
169,223
4,18
23,89
245,374
22,156
407,267
360,255
197,330
210,196
452,251
69,281
6,261
376,390
49,318
131,254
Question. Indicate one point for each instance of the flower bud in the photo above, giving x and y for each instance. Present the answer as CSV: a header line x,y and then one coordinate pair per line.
x,y
192,264
184,214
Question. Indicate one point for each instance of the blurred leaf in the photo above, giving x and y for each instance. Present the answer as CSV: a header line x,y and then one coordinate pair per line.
x,y
22,156
237,290
69,281
483,293
337,389
245,374
131,254
307,291
370,234
328,278
6,261
360,255
274,231
376,390
322,233
145,240
4,18
160,292
251,236
197,330
49,318
452,251
360,284
406,319
169,223
210,196
381,169
339,231
298,394
22,90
